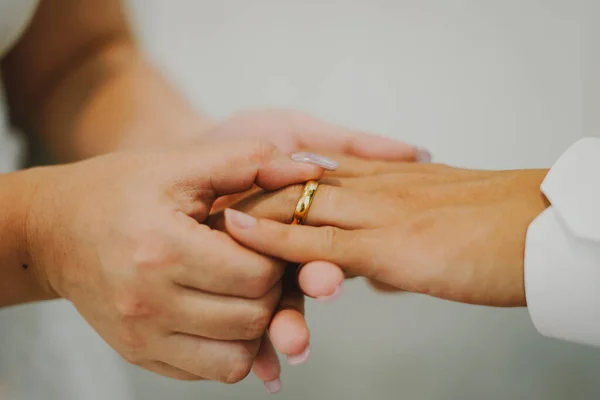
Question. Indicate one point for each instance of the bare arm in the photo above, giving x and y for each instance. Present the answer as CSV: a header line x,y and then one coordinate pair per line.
x,y
77,80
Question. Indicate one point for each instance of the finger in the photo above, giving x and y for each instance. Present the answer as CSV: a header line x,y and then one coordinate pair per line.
x,y
214,262
221,317
290,335
233,167
340,207
354,251
351,166
358,167
225,361
288,330
328,137
227,201
169,371
321,280
266,366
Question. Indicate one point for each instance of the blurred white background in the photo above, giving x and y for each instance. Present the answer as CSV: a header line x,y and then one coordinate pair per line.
x,y
481,83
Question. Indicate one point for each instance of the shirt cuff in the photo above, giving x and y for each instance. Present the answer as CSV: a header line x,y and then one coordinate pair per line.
x,y
562,253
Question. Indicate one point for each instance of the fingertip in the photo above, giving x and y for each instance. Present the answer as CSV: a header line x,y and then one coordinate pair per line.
x,y
301,358
289,332
273,386
319,160
266,366
332,297
267,370
320,279
239,219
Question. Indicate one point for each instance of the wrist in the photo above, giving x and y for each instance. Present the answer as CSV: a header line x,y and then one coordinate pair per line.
x,y
15,195
23,278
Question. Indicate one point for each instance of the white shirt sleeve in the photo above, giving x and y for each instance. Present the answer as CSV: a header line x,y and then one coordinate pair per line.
x,y
562,252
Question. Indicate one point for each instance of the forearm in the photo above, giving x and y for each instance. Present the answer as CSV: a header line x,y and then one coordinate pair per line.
x,y
77,82
116,100
20,280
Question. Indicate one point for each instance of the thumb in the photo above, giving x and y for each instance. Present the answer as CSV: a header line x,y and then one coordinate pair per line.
x,y
232,167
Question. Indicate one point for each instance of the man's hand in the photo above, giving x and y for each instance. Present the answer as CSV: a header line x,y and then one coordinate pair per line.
x,y
121,236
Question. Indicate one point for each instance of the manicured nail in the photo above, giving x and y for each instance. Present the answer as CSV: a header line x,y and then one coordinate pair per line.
x,y
332,297
273,386
316,159
240,219
300,358
423,155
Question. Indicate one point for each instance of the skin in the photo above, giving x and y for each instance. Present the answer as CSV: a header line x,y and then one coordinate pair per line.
x,y
77,83
157,284
292,131
451,233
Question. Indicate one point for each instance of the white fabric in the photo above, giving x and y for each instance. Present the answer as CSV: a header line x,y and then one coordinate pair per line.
x,y
48,352
562,257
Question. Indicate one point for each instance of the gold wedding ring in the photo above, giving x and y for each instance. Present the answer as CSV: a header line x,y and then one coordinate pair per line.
x,y
303,206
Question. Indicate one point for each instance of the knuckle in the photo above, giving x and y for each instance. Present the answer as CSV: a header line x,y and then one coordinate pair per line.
x,y
261,280
330,240
258,286
239,367
132,340
133,358
263,150
258,321
134,306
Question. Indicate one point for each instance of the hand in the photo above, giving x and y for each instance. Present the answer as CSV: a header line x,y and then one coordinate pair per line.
x,y
119,236
293,131
450,233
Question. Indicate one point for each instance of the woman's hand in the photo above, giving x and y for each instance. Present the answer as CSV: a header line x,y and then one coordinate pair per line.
x,y
451,233
119,236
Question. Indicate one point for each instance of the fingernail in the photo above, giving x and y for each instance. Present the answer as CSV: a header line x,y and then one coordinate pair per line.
x,y
316,159
332,297
273,386
239,218
300,358
423,155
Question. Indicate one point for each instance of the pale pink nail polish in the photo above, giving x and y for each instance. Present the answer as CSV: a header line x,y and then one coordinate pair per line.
x,y
300,358
315,159
332,297
273,386
423,155
239,218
